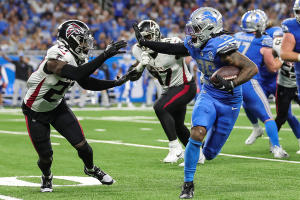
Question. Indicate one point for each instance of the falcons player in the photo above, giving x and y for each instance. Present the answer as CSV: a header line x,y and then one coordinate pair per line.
x,y
178,84
44,104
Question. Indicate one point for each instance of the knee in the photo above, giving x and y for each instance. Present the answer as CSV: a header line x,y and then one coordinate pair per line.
x,y
209,153
46,157
158,107
198,133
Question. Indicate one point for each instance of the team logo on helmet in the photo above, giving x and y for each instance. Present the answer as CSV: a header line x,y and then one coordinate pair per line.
x,y
73,28
208,15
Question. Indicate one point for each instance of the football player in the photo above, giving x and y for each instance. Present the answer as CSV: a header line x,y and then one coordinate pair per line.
x,y
44,104
179,87
218,105
250,40
268,83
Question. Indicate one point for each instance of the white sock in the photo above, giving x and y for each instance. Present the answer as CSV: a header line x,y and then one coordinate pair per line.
x,y
256,125
173,143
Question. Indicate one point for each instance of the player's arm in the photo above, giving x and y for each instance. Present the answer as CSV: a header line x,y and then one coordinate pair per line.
x,y
65,70
287,48
161,47
139,71
5,57
248,68
272,64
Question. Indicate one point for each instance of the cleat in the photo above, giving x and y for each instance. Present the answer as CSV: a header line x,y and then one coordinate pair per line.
x,y
187,190
200,161
104,178
298,152
46,183
175,153
256,133
279,152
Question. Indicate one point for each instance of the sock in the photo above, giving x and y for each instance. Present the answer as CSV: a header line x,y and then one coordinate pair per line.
x,y
272,132
253,119
256,125
295,126
191,157
173,143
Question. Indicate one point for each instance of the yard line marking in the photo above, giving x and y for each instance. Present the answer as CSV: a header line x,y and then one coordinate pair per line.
x,y
55,143
162,140
100,130
266,138
146,129
156,147
8,198
14,132
54,131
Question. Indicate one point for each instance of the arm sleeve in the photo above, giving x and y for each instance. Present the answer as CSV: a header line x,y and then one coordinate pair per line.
x,y
77,73
168,48
94,84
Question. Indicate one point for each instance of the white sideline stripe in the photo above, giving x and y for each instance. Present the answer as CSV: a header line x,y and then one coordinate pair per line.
x,y
266,138
162,140
146,129
54,131
55,143
156,147
8,198
100,129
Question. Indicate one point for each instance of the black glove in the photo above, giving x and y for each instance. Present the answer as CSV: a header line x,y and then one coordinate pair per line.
x,y
126,77
141,40
114,47
224,84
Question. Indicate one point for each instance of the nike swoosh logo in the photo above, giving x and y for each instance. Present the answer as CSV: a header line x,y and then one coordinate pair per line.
x,y
234,108
62,52
178,155
223,87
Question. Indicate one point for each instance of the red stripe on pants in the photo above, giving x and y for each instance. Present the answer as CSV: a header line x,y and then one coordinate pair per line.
x,y
179,94
26,119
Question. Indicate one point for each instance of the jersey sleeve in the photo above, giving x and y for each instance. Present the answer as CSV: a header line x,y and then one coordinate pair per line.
x,y
56,53
267,41
226,43
137,52
287,26
278,33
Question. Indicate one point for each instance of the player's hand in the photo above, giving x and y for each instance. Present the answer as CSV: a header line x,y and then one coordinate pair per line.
x,y
277,45
126,77
145,58
114,47
141,40
224,84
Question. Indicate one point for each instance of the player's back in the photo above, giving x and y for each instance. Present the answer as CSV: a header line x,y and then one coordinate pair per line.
x,y
250,46
208,60
46,89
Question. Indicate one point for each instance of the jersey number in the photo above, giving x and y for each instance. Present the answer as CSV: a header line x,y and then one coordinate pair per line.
x,y
168,77
206,67
245,44
48,96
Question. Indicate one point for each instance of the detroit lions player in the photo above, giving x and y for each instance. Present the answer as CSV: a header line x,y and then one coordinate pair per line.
x,y
250,41
218,105
44,102
290,48
178,84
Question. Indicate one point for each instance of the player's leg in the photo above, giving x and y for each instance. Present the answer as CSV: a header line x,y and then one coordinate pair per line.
x,y
257,102
68,126
83,94
40,137
121,90
149,93
203,117
16,88
24,89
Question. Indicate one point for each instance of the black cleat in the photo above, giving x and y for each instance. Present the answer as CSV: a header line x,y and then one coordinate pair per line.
x,y
46,184
104,178
187,190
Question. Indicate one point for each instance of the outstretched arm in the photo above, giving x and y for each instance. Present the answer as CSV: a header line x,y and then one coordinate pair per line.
x,y
248,68
161,47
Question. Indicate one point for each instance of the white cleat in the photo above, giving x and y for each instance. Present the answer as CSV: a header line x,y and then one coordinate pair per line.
x,y
279,152
175,153
256,133
298,152
200,161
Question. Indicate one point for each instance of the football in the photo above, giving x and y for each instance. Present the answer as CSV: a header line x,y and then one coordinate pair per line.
x,y
228,73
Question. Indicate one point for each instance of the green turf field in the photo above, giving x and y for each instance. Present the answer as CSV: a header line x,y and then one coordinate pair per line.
x,y
124,144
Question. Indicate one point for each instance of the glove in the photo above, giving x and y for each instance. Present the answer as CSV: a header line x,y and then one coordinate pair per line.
x,y
114,47
145,58
126,77
224,84
141,40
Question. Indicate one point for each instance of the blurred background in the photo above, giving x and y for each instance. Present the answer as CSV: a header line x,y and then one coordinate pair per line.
x,y
28,28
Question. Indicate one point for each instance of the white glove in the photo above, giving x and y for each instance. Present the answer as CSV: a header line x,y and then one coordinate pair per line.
x,y
277,45
145,58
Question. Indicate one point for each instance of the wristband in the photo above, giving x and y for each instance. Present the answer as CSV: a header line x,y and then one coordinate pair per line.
x,y
298,57
283,61
140,67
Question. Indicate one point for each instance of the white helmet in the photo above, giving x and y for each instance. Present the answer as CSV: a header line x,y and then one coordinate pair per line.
x,y
151,31
253,21
295,9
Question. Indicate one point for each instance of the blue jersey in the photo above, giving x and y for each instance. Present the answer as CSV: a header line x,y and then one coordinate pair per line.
x,y
250,46
292,26
125,67
274,31
209,61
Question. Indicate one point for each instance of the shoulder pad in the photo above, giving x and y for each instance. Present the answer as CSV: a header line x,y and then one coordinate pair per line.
x,y
277,33
287,25
59,53
172,40
137,52
225,44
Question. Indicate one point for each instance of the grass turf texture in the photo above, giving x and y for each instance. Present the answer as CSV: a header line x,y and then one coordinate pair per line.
x,y
139,172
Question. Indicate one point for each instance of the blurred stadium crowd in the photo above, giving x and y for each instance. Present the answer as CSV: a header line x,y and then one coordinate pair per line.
x,y
32,24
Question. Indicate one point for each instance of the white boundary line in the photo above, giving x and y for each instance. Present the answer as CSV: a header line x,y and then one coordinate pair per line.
x,y
8,198
156,147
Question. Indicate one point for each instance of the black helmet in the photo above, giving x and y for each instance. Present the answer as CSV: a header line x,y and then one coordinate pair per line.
x,y
150,29
76,36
